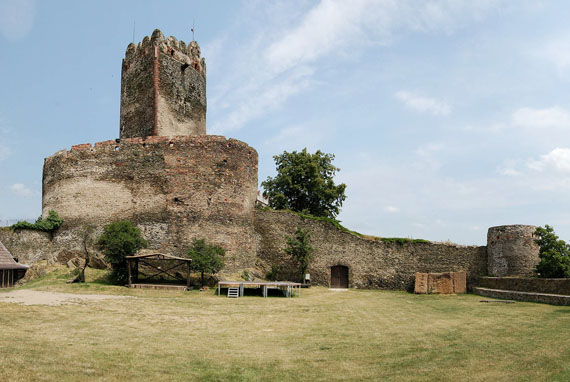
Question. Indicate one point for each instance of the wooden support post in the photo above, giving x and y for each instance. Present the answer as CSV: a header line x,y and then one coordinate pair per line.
x,y
187,276
137,270
130,275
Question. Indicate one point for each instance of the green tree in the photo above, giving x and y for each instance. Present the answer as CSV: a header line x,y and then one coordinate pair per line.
x,y
554,254
119,240
300,250
206,258
304,183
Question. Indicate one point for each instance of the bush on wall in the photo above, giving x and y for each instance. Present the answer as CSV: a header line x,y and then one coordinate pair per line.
x,y
49,224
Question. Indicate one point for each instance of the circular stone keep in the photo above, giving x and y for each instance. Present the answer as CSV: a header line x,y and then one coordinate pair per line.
x,y
511,250
175,189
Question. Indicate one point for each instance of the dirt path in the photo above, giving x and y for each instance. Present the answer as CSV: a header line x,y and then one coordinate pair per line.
x,y
34,297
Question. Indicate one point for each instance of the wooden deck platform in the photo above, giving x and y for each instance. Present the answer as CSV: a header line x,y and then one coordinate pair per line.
x,y
160,286
288,288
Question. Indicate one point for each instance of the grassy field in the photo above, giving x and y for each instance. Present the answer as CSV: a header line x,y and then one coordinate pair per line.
x,y
324,335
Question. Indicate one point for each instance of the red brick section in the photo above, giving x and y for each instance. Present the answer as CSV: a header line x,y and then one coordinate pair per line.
x,y
155,85
103,144
81,147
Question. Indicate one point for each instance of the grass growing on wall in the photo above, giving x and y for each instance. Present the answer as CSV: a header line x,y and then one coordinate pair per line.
x,y
335,223
402,240
357,335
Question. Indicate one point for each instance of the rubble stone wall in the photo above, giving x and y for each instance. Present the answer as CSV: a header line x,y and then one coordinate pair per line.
x,y
371,263
163,88
512,250
175,189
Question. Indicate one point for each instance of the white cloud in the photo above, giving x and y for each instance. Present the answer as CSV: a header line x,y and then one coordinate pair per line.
x,y
423,104
556,51
284,51
541,118
16,18
391,209
20,189
264,99
336,24
557,160
508,168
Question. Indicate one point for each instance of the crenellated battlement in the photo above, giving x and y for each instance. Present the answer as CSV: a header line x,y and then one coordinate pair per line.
x,y
153,143
163,88
178,50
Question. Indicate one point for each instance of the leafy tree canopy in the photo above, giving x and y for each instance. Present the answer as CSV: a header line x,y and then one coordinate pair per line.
x,y
300,250
554,254
206,258
304,183
119,240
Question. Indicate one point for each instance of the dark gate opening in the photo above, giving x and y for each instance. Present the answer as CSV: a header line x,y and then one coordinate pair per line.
x,y
339,276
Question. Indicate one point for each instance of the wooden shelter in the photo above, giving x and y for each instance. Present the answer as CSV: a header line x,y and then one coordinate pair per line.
x,y
10,270
149,262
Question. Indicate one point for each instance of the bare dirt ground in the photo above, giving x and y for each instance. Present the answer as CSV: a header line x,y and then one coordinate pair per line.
x,y
35,297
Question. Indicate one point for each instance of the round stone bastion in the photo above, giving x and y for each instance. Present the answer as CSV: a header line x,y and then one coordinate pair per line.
x,y
511,250
175,189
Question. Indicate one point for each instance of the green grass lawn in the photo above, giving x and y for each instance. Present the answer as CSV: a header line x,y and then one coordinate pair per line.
x,y
324,335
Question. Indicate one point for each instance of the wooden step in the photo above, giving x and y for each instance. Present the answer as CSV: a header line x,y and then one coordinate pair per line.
x,y
233,292
545,298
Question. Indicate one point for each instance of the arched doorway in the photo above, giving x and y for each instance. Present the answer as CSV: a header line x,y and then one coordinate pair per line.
x,y
339,276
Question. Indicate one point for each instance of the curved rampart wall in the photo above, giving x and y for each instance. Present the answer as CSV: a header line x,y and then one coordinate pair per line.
x,y
371,263
175,189
511,250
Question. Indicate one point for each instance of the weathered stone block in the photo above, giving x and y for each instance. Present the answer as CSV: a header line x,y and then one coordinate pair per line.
x,y
459,282
421,283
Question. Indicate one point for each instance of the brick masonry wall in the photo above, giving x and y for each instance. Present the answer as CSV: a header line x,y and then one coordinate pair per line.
x,y
371,263
175,189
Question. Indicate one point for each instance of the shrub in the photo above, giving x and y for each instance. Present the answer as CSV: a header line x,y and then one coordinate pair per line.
x,y
273,274
49,224
300,250
119,240
206,258
554,254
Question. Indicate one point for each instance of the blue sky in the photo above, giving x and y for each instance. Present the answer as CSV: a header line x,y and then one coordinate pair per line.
x,y
446,117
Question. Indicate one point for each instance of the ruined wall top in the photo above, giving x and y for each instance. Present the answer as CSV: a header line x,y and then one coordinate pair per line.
x,y
189,54
163,88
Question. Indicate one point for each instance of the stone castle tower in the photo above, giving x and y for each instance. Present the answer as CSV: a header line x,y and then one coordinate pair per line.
x,y
165,174
163,89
